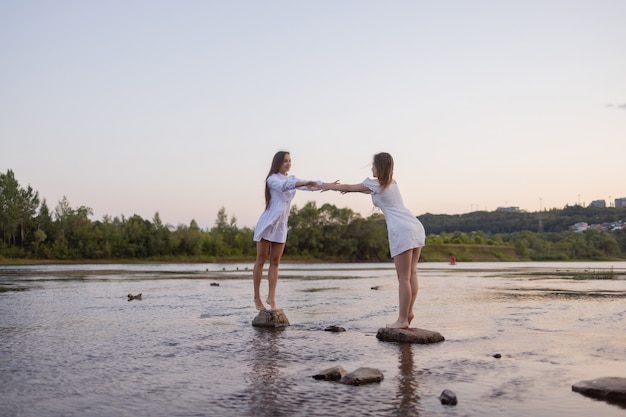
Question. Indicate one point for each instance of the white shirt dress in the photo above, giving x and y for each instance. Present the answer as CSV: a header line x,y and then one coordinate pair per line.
x,y
272,224
405,231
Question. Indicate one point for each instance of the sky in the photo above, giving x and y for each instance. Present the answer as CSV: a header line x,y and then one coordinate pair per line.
x,y
177,107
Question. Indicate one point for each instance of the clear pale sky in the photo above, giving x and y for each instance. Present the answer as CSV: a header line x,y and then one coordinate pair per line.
x,y
177,107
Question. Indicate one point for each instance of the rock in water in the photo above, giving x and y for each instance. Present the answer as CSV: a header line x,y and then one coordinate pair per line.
x,y
610,389
411,335
448,397
362,376
271,318
331,374
336,329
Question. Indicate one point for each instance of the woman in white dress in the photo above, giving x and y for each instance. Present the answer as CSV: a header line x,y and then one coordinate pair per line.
x,y
406,233
270,232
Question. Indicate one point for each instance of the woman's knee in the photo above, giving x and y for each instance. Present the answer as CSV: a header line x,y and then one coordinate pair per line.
x,y
274,261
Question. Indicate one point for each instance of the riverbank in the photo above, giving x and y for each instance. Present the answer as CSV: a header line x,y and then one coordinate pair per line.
x,y
430,253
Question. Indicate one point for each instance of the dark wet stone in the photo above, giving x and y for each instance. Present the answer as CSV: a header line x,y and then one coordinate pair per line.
x,y
447,397
362,376
411,335
497,356
336,329
215,284
134,297
270,318
331,374
610,389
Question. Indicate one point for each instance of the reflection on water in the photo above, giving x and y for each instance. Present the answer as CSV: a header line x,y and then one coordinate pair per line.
x,y
267,388
72,344
408,383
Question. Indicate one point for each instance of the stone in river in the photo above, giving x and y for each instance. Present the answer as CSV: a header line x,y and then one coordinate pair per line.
x,y
336,329
609,389
271,318
331,374
362,376
410,335
448,397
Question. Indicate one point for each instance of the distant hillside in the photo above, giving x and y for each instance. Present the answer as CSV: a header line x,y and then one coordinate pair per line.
x,y
554,220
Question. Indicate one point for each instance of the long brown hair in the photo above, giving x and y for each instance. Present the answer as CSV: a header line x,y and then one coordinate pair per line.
x,y
384,165
277,161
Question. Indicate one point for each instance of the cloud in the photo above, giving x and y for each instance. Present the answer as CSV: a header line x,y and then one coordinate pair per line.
x,y
619,106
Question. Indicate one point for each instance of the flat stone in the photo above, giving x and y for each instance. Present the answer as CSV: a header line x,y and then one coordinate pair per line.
x,y
362,376
610,389
336,329
331,374
271,318
410,335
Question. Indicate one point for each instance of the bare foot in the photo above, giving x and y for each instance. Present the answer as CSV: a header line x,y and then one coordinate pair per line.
x,y
411,316
398,325
259,304
272,304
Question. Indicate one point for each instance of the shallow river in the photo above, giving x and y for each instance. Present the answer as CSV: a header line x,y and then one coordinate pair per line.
x,y
71,344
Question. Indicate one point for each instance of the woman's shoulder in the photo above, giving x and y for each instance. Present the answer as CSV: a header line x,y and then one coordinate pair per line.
x,y
278,177
372,184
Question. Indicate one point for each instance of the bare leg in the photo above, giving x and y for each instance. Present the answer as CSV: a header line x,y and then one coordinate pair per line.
x,y
406,293
415,257
276,252
262,249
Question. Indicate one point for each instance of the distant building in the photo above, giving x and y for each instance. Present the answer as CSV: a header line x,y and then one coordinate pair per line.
x,y
598,203
511,209
580,227
620,202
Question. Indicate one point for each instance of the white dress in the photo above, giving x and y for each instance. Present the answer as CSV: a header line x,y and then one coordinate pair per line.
x,y
272,224
405,231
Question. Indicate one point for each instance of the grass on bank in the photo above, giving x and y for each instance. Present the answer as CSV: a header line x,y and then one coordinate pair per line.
x,y
430,253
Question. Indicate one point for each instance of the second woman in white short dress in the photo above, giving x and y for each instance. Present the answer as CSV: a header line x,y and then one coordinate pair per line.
x,y
406,233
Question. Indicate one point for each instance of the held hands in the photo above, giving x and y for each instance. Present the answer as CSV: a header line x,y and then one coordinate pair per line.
x,y
329,186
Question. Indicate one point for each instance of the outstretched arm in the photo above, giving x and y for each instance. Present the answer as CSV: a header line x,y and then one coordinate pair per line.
x,y
344,188
306,184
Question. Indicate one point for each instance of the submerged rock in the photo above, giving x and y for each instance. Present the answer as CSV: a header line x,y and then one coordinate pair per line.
x,y
270,318
411,335
335,329
331,374
362,376
447,397
610,389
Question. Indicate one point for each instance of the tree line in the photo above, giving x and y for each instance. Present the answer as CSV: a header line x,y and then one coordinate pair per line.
x,y
30,230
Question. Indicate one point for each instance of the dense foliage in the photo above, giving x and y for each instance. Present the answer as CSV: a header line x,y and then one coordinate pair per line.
x,y
29,230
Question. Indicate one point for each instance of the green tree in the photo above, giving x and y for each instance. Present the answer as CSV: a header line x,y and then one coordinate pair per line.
x,y
305,231
18,207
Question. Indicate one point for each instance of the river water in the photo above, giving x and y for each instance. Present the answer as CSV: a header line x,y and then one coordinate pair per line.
x,y
71,344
